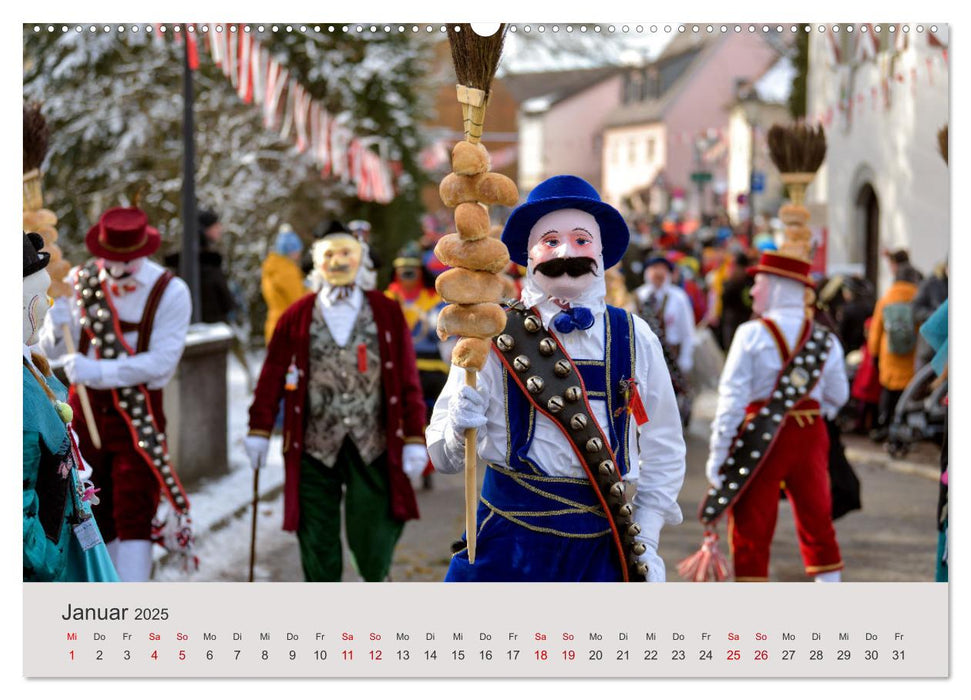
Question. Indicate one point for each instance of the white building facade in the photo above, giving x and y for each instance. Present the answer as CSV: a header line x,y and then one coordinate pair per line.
x,y
883,97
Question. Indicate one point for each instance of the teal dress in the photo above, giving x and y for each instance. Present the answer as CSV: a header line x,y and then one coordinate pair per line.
x,y
52,503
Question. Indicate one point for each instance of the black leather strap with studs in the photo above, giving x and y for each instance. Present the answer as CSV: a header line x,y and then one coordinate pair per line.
x,y
551,383
99,321
757,436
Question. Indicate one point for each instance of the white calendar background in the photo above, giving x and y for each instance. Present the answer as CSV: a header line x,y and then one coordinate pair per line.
x,y
280,630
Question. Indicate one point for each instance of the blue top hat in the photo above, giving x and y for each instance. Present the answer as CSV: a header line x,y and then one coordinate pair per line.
x,y
565,192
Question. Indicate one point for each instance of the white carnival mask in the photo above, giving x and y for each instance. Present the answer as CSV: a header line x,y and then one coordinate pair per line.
x,y
36,304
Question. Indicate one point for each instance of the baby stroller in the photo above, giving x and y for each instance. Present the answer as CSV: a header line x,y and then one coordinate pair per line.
x,y
921,413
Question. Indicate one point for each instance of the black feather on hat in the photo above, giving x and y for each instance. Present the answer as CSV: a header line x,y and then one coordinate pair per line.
x,y
34,259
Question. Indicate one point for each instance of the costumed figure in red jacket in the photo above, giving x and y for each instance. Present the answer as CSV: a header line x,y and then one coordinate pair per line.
x,y
342,361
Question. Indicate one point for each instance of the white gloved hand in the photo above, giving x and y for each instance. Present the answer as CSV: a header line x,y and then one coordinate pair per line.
x,y
715,461
81,370
60,313
656,573
466,409
256,448
414,459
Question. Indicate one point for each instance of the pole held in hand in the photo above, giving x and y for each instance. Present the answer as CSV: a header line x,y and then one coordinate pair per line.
x,y
83,394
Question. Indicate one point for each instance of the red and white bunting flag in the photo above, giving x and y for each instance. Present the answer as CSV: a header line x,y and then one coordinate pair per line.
x,y
271,107
244,85
938,39
338,151
867,44
322,148
301,102
232,63
901,40
259,71
288,109
833,49
215,45
192,46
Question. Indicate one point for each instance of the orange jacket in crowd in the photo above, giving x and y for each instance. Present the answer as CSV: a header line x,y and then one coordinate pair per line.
x,y
896,371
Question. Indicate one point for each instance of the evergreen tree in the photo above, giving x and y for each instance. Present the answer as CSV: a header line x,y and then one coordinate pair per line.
x,y
800,60
113,101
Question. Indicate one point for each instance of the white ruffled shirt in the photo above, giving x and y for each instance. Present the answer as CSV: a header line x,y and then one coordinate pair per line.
x,y
657,463
339,313
157,365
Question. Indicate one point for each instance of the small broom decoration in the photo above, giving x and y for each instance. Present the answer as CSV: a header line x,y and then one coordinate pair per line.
x,y
474,288
797,151
43,221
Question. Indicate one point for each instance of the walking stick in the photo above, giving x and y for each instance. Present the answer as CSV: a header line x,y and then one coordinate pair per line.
x,y
471,484
252,538
83,394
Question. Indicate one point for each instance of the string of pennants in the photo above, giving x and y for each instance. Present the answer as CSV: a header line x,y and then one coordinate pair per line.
x,y
290,110
867,48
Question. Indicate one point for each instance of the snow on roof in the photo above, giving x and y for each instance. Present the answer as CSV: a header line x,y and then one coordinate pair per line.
x,y
775,85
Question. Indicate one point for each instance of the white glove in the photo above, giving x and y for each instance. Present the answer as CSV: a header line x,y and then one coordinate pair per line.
x,y
414,459
715,461
256,448
466,409
60,313
656,572
81,370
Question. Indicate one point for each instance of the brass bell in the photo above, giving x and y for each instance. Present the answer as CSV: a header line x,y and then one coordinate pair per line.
x,y
505,342
555,404
642,569
606,468
534,384
578,422
547,346
574,393
562,368
521,363
532,324
594,445
626,510
617,490
639,548
634,529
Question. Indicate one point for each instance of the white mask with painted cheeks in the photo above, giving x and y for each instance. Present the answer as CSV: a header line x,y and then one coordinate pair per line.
x,y
565,233
119,270
36,304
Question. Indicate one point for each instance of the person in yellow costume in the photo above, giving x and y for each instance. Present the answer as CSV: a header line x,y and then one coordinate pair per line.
x,y
282,280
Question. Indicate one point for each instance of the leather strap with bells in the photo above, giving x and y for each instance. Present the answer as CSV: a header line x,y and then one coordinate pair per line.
x,y
101,325
551,383
756,437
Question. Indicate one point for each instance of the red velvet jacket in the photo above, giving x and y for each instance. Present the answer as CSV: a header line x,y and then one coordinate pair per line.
x,y
404,408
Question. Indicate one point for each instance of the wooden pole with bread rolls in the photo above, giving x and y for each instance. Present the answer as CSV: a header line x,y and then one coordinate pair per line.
x,y
474,288
43,221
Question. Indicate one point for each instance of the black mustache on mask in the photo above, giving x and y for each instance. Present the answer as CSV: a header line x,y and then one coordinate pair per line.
x,y
574,267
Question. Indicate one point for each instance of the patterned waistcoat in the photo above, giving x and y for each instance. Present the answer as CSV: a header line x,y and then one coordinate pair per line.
x,y
344,390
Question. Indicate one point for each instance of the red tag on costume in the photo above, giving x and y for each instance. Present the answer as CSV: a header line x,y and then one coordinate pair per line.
x,y
636,406
362,358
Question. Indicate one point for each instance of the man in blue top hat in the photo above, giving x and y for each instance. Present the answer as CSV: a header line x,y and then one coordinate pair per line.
x,y
574,410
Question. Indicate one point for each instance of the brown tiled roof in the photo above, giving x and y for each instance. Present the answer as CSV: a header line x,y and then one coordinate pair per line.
x,y
556,85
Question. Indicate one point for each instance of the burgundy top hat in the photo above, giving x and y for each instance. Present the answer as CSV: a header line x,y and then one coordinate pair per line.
x,y
783,266
122,234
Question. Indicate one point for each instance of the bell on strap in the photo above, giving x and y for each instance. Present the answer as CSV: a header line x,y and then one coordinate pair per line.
x,y
569,320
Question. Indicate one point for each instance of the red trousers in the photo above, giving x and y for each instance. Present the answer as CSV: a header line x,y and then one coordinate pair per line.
x,y
799,462
129,491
